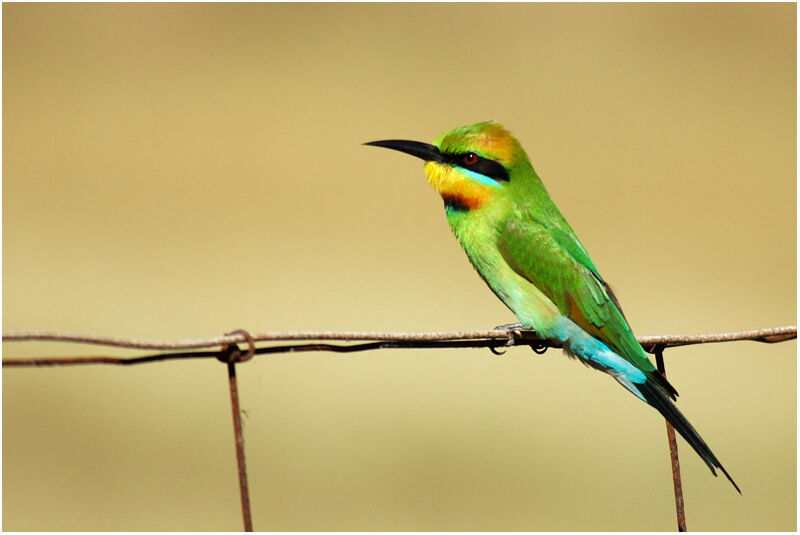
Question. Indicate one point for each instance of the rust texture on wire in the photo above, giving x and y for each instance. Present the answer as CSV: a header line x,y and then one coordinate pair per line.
x,y
369,341
239,439
677,485
231,355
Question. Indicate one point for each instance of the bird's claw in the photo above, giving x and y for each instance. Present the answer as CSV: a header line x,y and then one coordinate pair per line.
x,y
540,348
514,330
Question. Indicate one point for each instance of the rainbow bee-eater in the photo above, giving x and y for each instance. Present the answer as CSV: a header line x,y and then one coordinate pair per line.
x,y
518,241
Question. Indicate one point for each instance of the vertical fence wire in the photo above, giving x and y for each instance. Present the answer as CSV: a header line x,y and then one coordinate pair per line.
x,y
239,438
230,355
673,453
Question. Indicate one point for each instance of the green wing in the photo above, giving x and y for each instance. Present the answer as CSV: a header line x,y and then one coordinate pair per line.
x,y
551,257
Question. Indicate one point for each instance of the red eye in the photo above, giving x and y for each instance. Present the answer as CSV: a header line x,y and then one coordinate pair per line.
x,y
470,158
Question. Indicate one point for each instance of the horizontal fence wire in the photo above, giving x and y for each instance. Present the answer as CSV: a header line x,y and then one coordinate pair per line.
x,y
494,338
230,354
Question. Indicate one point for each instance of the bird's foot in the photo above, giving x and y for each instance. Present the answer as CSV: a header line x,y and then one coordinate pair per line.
x,y
514,331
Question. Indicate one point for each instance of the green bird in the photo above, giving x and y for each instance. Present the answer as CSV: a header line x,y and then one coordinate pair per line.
x,y
518,241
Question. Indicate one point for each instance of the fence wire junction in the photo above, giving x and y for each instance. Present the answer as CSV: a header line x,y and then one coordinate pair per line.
x,y
230,354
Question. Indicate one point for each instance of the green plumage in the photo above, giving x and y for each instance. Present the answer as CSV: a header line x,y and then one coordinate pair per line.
x,y
518,241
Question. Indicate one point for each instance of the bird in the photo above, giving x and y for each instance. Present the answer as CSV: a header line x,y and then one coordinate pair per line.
x,y
522,246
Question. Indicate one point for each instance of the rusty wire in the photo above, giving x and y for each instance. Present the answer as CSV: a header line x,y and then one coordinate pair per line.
x,y
231,355
370,341
677,485
238,436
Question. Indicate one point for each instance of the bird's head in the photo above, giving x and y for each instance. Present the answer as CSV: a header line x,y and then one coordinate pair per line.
x,y
470,165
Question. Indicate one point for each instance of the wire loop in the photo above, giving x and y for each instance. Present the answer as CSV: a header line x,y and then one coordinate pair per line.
x,y
231,353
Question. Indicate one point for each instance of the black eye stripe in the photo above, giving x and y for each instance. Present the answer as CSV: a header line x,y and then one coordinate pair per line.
x,y
484,166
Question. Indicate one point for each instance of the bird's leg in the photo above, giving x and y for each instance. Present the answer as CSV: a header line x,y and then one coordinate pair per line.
x,y
510,327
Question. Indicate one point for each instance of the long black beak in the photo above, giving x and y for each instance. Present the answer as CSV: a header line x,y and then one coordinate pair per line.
x,y
427,152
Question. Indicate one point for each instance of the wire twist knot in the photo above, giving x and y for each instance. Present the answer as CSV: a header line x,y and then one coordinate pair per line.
x,y
230,353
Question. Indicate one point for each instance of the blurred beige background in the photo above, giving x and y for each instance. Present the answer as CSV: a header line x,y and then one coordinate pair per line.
x,y
176,171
